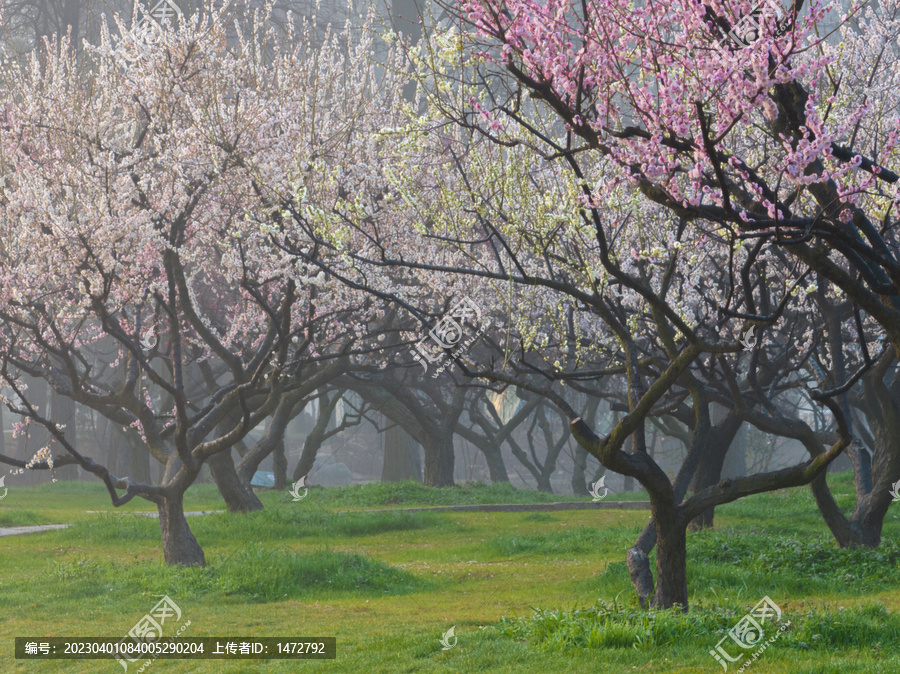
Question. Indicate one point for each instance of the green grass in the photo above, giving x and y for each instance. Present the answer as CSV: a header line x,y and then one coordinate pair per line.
x,y
612,625
255,572
65,502
411,493
526,592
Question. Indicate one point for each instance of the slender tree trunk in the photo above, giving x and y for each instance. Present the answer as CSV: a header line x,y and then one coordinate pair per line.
x,y
179,544
239,497
279,465
62,413
35,435
579,480
307,460
316,437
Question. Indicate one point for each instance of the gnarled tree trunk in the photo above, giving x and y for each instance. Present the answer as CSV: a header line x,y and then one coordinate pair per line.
x,y
238,495
179,544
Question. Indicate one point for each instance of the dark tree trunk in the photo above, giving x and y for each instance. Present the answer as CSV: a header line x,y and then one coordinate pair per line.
x,y
553,450
307,457
668,532
116,450
239,497
637,559
627,481
279,465
401,456
864,526
579,480
671,566
179,544
493,455
140,459
35,435
439,460
671,559
62,413
714,443
316,437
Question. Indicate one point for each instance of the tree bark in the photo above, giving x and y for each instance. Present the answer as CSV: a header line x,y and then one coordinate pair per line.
x,y
716,441
279,465
637,559
34,436
493,455
316,437
579,481
401,456
62,413
239,497
179,545
864,526
671,557
667,531
439,460
140,458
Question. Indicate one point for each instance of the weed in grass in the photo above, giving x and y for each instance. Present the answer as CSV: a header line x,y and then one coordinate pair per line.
x,y
612,625
817,559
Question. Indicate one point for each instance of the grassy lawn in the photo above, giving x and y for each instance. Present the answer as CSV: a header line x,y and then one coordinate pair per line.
x,y
388,584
